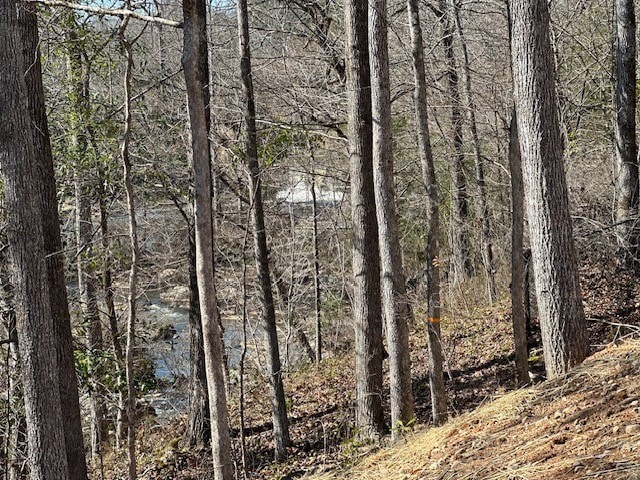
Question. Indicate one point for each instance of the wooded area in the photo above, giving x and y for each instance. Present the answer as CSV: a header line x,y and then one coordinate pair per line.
x,y
204,204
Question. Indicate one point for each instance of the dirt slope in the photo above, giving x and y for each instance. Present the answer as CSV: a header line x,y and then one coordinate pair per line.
x,y
584,426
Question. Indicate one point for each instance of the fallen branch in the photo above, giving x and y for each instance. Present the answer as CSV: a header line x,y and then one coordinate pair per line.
x,y
115,12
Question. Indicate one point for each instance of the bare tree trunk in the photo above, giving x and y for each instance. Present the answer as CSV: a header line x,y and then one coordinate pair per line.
x,y
517,256
626,146
199,427
278,405
21,172
562,321
53,246
317,290
79,99
15,441
461,264
367,310
110,308
135,257
392,280
485,232
196,70
436,377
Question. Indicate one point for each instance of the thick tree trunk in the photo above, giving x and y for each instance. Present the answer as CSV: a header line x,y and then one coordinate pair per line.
x,y
436,377
562,321
53,246
25,234
367,310
278,405
517,256
626,147
196,70
392,281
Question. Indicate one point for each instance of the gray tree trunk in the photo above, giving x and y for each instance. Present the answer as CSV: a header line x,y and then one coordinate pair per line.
x,y
317,289
25,234
367,310
196,70
199,426
278,405
562,321
135,257
485,231
79,99
626,147
461,265
436,377
517,256
53,246
392,280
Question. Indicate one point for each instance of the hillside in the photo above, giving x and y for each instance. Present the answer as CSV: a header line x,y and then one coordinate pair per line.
x,y
584,426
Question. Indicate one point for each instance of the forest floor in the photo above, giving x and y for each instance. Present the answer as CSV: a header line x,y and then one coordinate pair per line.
x,y
586,427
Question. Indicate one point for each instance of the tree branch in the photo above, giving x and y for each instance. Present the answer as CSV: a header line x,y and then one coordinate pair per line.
x,y
115,12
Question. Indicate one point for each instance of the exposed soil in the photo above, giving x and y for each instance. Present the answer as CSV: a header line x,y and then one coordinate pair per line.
x,y
477,345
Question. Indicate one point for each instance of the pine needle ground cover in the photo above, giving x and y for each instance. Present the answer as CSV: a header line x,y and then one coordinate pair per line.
x,y
586,425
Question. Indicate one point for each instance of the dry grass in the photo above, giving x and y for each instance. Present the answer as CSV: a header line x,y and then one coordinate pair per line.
x,y
586,425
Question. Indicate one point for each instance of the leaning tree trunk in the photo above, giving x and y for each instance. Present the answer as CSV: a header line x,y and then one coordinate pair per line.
x,y
562,321
485,231
53,246
367,310
278,405
392,280
436,376
461,264
25,235
626,147
196,71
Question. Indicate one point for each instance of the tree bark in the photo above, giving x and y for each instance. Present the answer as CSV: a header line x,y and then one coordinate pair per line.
x,y
485,231
25,234
517,256
135,257
562,321
436,377
278,405
626,147
196,70
461,264
74,443
199,427
78,73
392,280
367,310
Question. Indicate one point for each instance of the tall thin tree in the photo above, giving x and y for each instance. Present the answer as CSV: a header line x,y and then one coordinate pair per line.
x,y
196,70
392,280
436,376
278,405
367,310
